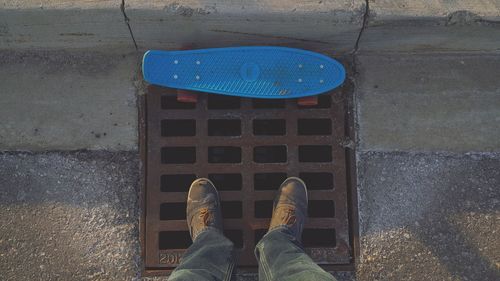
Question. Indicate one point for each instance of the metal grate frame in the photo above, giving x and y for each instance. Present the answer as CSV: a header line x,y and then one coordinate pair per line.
x,y
247,147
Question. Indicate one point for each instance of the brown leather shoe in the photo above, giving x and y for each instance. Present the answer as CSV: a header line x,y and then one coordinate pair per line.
x,y
290,207
203,207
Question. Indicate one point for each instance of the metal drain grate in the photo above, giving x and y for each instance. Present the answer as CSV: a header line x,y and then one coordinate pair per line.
x,y
247,148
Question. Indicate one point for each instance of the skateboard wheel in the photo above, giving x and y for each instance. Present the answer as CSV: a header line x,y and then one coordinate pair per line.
x,y
186,96
308,101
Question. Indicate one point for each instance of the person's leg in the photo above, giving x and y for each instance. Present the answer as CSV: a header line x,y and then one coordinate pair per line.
x,y
210,257
279,252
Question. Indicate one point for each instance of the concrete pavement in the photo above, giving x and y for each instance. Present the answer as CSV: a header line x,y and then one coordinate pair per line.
x,y
69,216
428,102
59,100
429,216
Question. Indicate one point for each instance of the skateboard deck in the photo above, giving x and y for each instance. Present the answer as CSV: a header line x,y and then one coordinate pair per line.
x,y
256,72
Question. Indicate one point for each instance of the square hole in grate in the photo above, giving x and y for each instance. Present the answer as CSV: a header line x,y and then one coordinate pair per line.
x,y
178,127
268,103
223,102
263,209
324,101
224,154
236,236
177,211
231,209
316,209
268,181
318,237
226,181
317,180
173,211
170,102
315,153
174,240
178,155
269,127
258,234
321,209
176,183
224,127
270,154
311,127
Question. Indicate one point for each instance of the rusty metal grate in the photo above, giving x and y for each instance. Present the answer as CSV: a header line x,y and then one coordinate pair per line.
x,y
247,148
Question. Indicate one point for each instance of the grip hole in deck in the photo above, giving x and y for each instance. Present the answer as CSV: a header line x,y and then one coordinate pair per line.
x,y
269,154
315,153
269,127
178,128
224,154
310,127
268,181
173,211
178,155
317,180
174,240
224,127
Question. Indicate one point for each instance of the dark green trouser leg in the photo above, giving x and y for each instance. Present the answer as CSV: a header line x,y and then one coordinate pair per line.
x,y
281,257
210,257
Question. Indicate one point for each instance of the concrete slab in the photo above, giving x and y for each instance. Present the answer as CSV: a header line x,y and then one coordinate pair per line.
x,y
323,25
435,25
63,24
429,216
384,10
69,216
59,100
446,102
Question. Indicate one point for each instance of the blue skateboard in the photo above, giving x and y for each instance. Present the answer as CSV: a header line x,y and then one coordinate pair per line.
x,y
255,72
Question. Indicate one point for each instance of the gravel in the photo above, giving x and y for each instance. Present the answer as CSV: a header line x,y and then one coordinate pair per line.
x,y
69,216
429,216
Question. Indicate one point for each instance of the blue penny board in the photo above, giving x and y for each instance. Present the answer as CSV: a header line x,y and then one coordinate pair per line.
x,y
256,72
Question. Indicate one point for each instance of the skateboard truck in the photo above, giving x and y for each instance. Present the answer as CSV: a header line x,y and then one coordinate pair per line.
x,y
186,96
308,101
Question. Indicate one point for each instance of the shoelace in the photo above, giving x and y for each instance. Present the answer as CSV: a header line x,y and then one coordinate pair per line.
x,y
206,216
289,216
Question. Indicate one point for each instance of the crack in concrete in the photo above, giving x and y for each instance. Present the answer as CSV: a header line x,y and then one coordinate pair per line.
x,y
354,99
363,26
127,22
